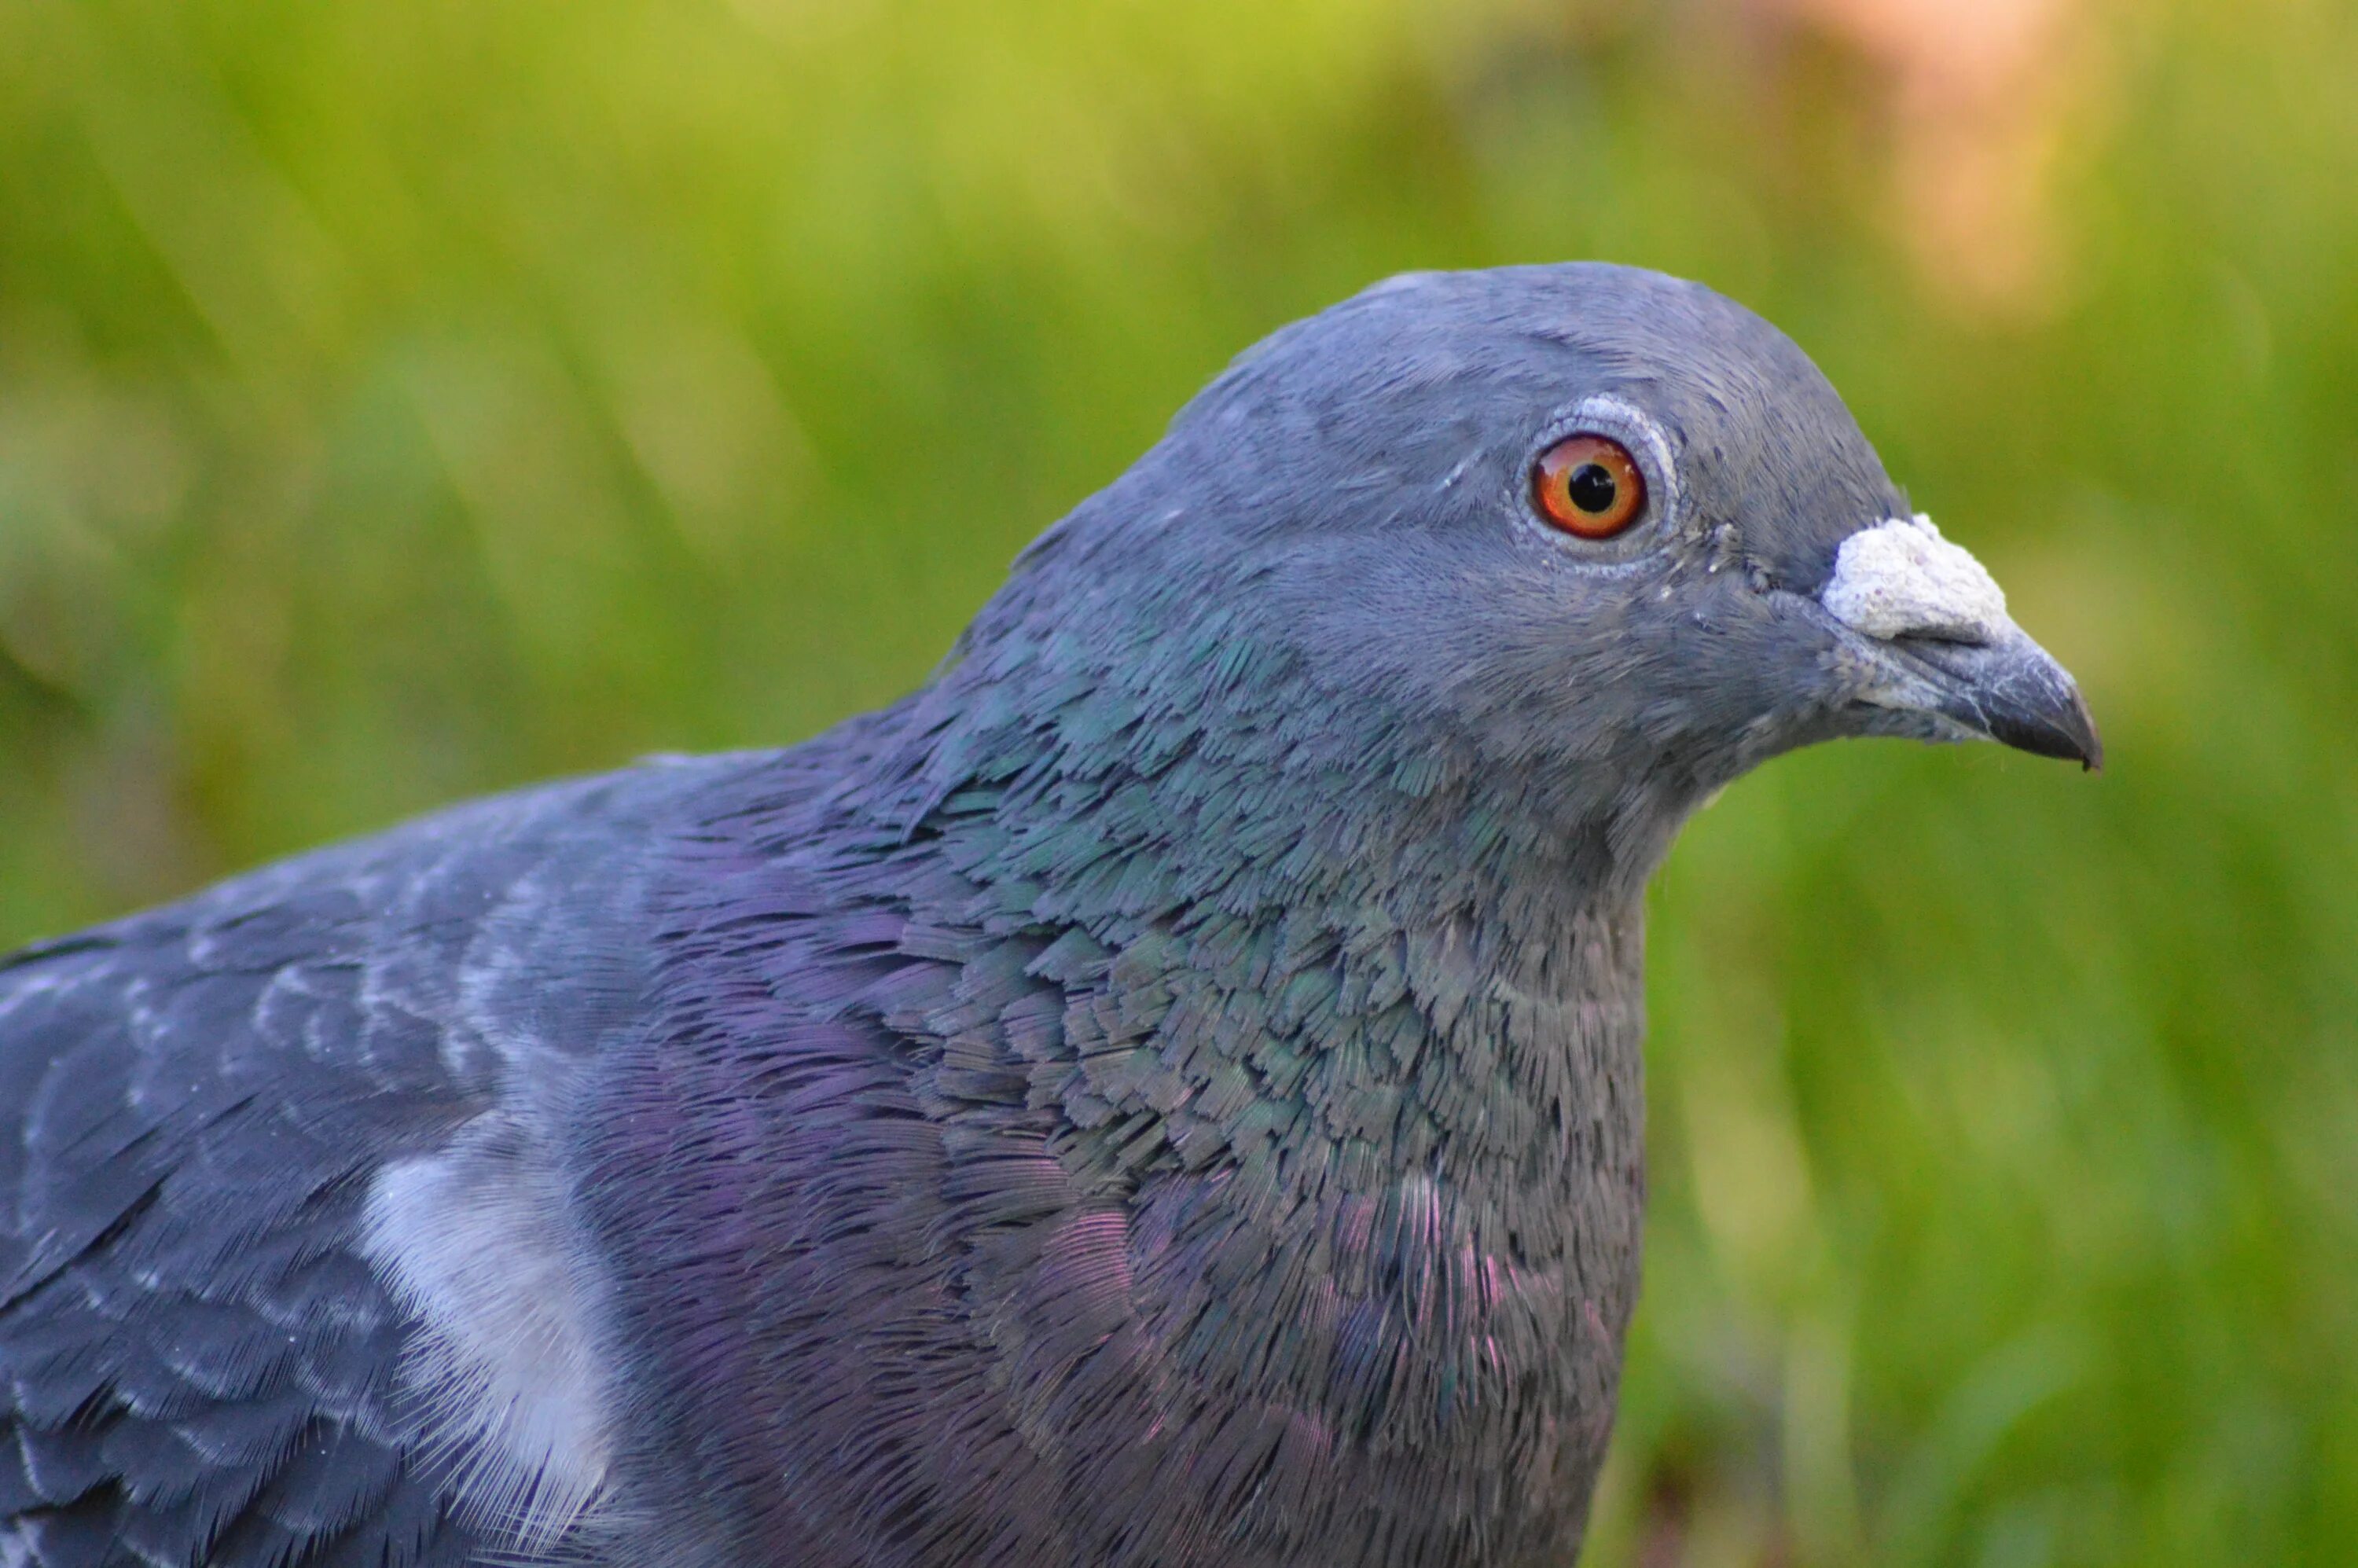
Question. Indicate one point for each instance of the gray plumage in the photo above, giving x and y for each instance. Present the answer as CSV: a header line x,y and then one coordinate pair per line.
x,y
1167,1092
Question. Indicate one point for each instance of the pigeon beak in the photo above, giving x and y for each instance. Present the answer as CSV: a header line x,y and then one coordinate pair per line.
x,y
1940,645
2013,692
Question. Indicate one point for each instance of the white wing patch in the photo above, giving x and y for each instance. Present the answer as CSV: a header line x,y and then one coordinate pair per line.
x,y
1902,578
476,1243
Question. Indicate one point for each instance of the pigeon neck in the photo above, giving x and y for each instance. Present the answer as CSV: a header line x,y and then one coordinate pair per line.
x,y
1131,1011
1358,1033
1419,968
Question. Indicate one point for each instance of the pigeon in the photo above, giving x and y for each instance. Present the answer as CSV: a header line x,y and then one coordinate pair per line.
x,y
1167,1092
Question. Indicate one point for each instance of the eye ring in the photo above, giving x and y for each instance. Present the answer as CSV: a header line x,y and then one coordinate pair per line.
x,y
1589,486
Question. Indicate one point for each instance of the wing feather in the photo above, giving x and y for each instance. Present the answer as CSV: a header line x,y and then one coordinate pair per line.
x,y
199,1363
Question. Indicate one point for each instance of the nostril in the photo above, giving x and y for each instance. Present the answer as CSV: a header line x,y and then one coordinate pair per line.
x,y
1945,636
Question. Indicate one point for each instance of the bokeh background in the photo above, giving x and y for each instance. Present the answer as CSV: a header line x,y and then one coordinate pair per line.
x,y
401,398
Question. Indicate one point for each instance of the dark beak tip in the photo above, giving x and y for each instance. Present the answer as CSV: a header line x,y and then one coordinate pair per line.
x,y
2067,731
2092,742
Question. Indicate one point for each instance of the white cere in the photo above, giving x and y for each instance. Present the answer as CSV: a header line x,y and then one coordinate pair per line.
x,y
1900,579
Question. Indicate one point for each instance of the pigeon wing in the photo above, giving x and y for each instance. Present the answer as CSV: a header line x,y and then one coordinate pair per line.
x,y
202,1357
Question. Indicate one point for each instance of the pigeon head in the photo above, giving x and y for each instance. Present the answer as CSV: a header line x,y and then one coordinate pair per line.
x,y
1591,528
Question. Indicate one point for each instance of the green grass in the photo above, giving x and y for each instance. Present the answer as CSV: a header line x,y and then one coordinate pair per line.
x,y
401,400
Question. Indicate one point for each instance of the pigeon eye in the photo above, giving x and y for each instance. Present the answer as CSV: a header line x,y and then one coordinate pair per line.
x,y
1589,485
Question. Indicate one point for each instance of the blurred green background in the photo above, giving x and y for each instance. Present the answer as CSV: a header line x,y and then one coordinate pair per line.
x,y
403,398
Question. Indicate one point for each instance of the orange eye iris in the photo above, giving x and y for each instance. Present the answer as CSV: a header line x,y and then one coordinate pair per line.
x,y
1589,485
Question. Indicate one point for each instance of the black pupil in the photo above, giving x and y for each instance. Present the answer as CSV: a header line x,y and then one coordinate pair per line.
x,y
1591,488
